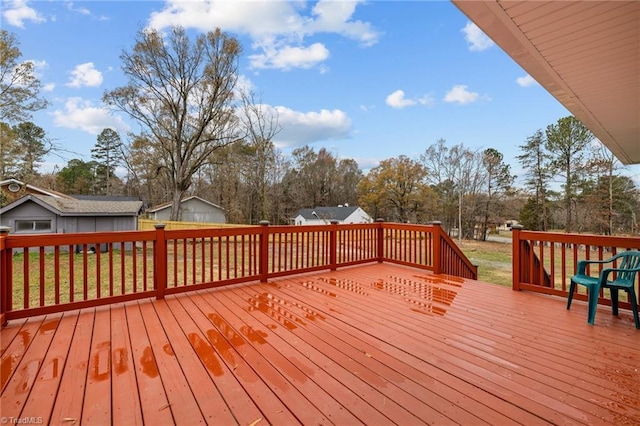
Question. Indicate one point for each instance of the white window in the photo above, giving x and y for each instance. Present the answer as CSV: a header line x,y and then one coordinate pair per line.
x,y
33,225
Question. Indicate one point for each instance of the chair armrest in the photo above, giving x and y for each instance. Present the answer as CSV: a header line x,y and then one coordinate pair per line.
x,y
604,274
582,265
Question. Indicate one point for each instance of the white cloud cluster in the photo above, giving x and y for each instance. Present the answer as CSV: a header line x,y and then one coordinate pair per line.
x,y
278,28
81,10
290,57
526,81
461,95
85,75
16,12
83,115
303,128
478,41
398,100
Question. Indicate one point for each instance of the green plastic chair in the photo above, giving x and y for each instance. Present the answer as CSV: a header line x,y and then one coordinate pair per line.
x,y
628,265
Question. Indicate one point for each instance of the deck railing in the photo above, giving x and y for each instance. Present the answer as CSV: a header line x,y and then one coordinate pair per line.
x,y
545,261
46,273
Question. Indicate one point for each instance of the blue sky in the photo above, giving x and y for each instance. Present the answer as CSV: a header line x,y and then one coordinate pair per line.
x,y
366,80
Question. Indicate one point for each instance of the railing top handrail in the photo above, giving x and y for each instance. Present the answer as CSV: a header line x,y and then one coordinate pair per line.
x,y
35,240
587,239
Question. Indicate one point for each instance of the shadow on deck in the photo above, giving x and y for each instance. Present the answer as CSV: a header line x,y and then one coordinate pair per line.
x,y
376,344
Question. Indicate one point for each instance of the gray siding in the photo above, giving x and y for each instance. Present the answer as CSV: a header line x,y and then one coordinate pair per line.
x,y
193,210
28,211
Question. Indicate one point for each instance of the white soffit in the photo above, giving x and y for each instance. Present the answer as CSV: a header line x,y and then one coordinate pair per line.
x,y
585,53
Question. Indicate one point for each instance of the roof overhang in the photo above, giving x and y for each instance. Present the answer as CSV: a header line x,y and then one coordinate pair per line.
x,y
585,53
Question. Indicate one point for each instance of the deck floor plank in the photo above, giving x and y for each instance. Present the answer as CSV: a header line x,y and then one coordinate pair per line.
x,y
7,338
321,334
350,365
228,346
18,339
376,344
96,409
183,406
530,378
278,372
151,393
372,319
45,390
70,397
327,367
241,388
19,386
196,368
125,401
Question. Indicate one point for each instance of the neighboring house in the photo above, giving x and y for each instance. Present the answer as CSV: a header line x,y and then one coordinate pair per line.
x,y
13,189
39,214
508,224
324,215
192,209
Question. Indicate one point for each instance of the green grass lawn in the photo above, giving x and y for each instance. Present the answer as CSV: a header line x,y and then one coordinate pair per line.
x,y
492,258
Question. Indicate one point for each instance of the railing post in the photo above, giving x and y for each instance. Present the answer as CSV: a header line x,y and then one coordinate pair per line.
x,y
160,270
515,260
333,245
437,246
4,278
379,221
264,251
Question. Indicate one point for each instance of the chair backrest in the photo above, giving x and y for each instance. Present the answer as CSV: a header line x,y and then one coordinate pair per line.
x,y
629,260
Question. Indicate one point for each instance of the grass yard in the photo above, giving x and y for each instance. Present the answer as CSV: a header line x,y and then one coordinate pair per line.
x,y
492,258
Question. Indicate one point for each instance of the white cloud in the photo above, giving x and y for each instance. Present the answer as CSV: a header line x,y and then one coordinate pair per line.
x,y
526,81
85,75
81,10
290,57
478,41
398,100
48,87
16,12
277,28
81,114
461,95
302,128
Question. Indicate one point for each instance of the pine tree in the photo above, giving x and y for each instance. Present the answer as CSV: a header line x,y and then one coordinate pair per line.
x,y
108,151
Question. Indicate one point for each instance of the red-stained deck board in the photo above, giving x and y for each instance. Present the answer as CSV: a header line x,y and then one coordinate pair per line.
x,y
150,390
228,345
275,371
126,410
19,385
68,401
196,369
15,343
184,407
376,344
96,408
334,368
296,367
45,388
351,350
495,375
230,373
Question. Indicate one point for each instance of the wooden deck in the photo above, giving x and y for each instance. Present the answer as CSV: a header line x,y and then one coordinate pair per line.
x,y
377,345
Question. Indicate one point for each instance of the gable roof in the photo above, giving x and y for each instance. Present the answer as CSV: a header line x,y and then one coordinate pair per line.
x,y
184,200
327,213
32,188
73,207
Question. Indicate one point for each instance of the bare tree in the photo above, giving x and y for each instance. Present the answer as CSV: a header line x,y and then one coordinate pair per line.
x,y
260,124
19,88
181,93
